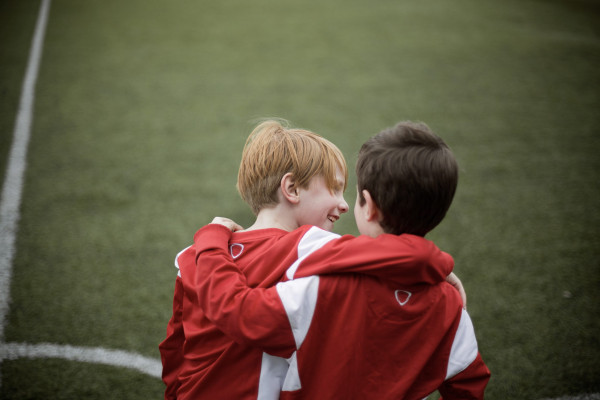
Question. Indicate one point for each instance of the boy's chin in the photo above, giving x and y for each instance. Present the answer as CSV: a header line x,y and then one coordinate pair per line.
x,y
327,226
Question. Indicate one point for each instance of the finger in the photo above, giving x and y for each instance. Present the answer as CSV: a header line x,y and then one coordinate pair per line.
x,y
237,227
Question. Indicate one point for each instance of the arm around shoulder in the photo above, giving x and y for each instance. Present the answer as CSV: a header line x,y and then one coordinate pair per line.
x,y
251,316
412,259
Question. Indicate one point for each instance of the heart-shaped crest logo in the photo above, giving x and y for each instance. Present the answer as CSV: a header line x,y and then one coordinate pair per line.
x,y
236,250
402,296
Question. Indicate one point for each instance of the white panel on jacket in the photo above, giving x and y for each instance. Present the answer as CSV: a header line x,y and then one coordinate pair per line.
x,y
313,240
299,298
272,374
464,348
177,262
292,379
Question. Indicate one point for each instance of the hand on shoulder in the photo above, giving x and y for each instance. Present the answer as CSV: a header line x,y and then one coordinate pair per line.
x,y
226,222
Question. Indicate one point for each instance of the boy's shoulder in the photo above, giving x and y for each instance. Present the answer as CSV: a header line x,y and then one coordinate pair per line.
x,y
312,238
392,257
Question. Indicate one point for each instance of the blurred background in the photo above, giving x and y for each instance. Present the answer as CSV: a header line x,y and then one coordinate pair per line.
x,y
142,109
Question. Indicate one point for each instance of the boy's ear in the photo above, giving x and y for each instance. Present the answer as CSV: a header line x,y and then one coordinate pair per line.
x,y
372,213
289,190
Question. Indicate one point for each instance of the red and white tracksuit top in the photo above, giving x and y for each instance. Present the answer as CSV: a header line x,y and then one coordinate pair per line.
x,y
385,327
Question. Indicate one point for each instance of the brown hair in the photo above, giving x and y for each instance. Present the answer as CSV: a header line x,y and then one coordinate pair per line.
x,y
411,175
272,150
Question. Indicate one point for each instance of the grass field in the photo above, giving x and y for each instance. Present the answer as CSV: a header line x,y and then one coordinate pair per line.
x,y
142,109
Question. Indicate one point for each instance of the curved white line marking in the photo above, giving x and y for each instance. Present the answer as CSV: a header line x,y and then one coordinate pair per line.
x,y
98,355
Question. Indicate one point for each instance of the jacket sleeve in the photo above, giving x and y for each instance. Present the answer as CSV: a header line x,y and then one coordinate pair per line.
x,y
405,259
468,384
250,316
467,374
171,349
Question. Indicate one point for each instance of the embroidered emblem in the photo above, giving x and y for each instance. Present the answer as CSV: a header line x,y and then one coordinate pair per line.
x,y
402,296
236,250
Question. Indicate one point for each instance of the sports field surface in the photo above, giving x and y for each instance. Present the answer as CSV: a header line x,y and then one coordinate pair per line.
x,y
122,125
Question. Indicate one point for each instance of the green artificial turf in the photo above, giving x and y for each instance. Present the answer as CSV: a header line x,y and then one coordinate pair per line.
x,y
143,108
17,21
55,379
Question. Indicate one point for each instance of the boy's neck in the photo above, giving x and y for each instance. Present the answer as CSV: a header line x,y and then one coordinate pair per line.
x,y
274,217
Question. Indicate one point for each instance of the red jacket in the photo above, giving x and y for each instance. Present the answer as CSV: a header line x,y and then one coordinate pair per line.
x,y
214,365
374,335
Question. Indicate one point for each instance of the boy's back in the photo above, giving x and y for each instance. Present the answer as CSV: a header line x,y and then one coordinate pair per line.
x,y
211,358
369,339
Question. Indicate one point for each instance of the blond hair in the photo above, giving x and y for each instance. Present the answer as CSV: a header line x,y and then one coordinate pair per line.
x,y
272,150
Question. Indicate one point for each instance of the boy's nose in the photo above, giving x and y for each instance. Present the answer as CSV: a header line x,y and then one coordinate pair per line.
x,y
343,206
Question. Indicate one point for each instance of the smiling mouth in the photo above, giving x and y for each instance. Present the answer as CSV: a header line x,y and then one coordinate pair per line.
x,y
333,218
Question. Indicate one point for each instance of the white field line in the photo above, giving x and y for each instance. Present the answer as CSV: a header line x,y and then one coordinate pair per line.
x,y
97,355
591,396
10,203
17,162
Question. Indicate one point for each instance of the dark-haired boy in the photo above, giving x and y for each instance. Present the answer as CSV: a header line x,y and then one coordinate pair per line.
x,y
367,335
